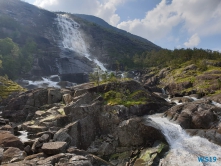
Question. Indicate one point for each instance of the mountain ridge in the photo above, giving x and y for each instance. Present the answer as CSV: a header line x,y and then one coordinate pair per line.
x,y
108,45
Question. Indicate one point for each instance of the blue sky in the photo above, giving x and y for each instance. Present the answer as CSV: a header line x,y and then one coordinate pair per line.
x,y
167,23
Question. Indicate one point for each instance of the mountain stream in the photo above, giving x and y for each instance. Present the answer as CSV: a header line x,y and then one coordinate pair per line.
x,y
186,150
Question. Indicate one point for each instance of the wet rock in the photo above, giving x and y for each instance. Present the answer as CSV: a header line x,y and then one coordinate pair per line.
x,y
182,99
52,148
12,155
200,114
211,134
197,96
216,98
9,140
139,132
151,156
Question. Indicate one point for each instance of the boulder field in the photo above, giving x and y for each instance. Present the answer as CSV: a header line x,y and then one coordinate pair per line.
x,y
83,126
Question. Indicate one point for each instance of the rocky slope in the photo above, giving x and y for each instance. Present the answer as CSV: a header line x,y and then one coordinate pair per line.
x,y
21,21
185,80
75,126
80,126
8,87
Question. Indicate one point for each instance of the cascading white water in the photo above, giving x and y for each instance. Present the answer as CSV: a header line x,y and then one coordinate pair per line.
x,y
184,149
216,104
24,136
72,38
45,82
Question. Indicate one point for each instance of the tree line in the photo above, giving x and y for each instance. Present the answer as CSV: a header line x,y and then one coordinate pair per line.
x,y
15,60
174,58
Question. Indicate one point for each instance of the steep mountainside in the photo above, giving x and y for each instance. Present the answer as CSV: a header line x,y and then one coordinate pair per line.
x,y
89,41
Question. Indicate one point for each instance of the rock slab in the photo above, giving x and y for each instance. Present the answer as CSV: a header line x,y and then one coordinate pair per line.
x,y
53,148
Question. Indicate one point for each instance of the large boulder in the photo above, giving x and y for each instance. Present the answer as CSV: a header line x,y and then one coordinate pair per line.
x,y
151,156
176,89
9,140
138,131
54,95
53,148
12,155
201,114
76,133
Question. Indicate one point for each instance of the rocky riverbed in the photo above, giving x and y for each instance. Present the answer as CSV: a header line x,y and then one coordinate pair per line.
x,y
77,126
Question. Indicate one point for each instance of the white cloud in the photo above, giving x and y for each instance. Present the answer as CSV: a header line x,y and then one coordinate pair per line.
x,y
192,18
193,41
196,16
104,9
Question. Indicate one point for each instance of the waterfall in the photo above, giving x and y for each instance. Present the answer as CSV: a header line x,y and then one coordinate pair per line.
x,y
184,149
72,39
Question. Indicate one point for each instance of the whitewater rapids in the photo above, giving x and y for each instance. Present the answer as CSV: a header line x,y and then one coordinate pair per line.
x,y
185,149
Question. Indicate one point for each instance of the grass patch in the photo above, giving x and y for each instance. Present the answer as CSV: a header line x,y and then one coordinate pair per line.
x,y
8,87
126,98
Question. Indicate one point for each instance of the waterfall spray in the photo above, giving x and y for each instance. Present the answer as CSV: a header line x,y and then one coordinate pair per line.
x,y
184,149
72,38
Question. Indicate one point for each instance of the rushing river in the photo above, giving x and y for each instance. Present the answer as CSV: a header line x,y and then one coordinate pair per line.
x,y
186,150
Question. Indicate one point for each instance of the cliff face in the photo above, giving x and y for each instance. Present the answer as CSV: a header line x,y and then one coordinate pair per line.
x,y
28,21
102,44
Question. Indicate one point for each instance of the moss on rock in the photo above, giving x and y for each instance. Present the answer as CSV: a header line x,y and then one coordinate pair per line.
x,y
151,155
8,87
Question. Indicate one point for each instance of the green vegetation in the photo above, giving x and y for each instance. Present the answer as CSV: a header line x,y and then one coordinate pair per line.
x,y
15,60
175,58
101,77
125,98
191,70
118,95
205,79
8,87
